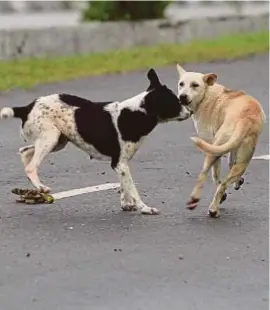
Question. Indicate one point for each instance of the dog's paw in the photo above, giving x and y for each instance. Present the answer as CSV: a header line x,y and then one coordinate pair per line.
x,y
213,213
44,188
193,203
150,211
237,185
129,207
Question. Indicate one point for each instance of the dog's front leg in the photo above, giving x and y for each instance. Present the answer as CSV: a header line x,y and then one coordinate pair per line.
x,y
130,198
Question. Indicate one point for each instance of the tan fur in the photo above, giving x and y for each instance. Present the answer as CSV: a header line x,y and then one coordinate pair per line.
x,y
227,121
234,115
231,94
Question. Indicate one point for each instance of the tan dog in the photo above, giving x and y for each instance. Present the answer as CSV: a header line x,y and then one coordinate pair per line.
x,y
228,121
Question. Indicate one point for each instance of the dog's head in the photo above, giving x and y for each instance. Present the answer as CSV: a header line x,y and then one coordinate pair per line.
x,y
192,87
163,102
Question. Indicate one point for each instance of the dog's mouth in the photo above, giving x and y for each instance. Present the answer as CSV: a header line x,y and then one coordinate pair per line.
x,y
186,103
187,115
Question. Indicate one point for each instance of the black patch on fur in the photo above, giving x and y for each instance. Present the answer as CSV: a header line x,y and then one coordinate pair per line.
x,y
153,79
160,101
79,102
133,125
95,126
160,104
23,112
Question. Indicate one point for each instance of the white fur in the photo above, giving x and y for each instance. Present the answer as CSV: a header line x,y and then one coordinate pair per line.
x,y
133,104
6,113
195,94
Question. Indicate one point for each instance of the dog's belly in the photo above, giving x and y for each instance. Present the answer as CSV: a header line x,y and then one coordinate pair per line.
x,y
94,154
89,149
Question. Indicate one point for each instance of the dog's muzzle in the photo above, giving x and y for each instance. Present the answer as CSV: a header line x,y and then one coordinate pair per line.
x,y
183,98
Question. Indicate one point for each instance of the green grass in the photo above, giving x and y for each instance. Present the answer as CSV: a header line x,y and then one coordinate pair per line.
x,y
30,72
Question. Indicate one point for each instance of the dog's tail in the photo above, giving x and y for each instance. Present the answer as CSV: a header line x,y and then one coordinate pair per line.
x,y
17,112
235,139
7,113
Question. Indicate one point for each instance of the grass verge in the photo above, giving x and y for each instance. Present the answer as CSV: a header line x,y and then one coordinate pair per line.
x,y
26,73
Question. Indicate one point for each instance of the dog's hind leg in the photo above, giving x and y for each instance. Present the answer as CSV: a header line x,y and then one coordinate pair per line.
x,y
195,196
43,146
216,176
209,161
231,160
242,158
27,153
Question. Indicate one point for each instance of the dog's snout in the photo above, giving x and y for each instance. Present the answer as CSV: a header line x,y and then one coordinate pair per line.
x,y
183,99
183,96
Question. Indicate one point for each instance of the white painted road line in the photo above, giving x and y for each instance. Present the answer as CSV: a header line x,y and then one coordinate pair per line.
x,y
85,190
265,157
107,186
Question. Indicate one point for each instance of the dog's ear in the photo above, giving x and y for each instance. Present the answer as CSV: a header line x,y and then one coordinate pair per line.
x,y
180,70
153,79
210,79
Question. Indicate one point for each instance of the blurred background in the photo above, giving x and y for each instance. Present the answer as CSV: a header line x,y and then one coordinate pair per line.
x,y
34,14
136,34
24,24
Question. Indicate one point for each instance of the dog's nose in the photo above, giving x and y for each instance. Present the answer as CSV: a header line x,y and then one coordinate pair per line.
x,y
183,99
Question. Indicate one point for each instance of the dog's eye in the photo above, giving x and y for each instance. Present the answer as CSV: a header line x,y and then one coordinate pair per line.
x,y
194,85
181,84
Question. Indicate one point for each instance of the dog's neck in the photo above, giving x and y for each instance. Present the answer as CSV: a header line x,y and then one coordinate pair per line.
x,y
210,98
154,107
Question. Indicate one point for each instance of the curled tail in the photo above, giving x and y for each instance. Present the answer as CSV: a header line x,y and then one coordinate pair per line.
x,y
236,138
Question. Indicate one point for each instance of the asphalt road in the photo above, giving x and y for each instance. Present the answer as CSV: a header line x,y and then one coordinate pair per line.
x,y
66,255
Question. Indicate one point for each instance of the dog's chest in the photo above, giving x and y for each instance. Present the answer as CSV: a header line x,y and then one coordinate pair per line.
x,y
204,130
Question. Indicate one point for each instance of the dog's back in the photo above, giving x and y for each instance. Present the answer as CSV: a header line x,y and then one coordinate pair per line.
x,y
242,106
230,113
57,110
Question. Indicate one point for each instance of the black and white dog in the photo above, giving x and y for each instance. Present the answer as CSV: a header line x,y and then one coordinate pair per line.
x,y
105,130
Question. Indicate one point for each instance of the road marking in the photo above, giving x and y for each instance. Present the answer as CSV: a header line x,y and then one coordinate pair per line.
x,y
265,157
107,186
85,190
